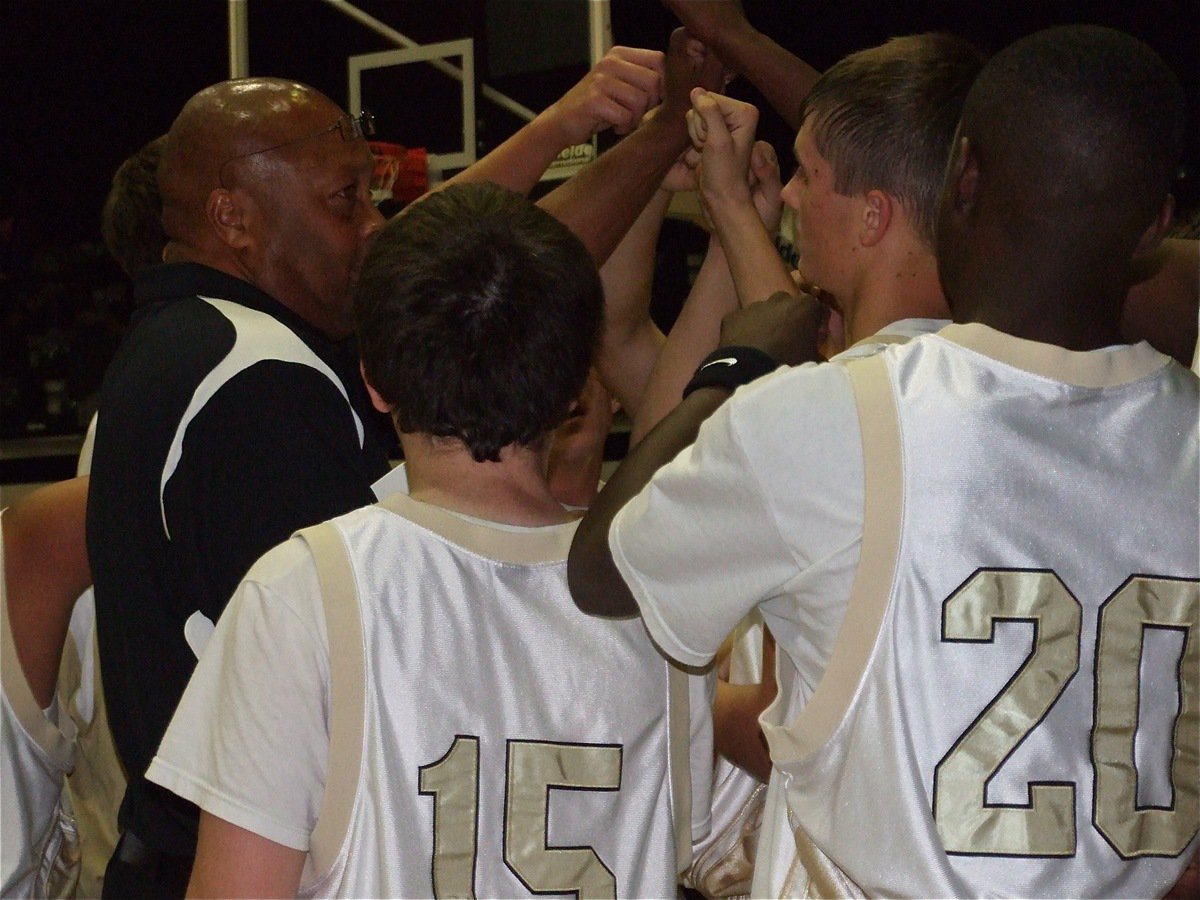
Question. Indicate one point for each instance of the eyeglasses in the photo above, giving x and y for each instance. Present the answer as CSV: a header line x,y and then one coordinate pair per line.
x,y
350,127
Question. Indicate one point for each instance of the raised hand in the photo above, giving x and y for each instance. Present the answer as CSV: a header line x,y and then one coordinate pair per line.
x,y
766,185
722,129
712,21
690,64
615,94
684,174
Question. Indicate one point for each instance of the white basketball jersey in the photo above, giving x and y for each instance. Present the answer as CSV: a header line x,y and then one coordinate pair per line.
x,y
1012,706
505,744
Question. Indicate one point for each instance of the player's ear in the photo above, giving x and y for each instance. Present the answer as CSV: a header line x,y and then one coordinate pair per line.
x,y
878,207
377,400
962,180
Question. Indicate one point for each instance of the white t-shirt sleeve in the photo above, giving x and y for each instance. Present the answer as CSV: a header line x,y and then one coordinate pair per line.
x,y
756,509
249,742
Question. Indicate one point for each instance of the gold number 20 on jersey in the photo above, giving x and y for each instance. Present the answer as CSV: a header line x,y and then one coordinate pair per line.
x,y
966,823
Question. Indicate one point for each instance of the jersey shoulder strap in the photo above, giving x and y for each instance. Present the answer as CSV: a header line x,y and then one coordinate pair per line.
x,y
347,691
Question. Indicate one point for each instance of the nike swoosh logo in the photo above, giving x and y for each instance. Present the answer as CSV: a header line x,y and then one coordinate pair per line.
x,y
723,361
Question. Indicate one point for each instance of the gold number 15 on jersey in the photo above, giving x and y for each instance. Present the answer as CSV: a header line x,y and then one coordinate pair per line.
x,y
534,769
966,823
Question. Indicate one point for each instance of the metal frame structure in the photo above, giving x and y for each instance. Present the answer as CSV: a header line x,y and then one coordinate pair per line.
x,y
570,161
431,53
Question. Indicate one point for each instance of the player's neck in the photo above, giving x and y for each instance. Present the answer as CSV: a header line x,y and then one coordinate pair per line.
x,y
904,285
513,491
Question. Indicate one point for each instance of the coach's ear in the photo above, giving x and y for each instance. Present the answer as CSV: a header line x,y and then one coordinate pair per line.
x,y
377,401
226,213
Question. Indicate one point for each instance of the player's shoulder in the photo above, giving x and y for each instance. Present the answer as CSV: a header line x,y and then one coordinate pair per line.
x,y
790,393
286,570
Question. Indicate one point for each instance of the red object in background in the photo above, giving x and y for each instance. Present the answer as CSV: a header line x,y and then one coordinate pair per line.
x,y
401,173
413,179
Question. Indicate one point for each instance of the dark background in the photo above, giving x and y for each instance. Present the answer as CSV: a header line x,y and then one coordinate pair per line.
x,y
85,83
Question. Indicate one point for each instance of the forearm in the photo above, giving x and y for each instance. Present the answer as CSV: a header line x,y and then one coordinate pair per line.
x,y
695,334
779,75
736,732
625,366
631,341
754,262
520,161
596,585
601,203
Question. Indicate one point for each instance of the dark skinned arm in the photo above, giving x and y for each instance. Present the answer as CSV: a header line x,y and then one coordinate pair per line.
x,y
780,76
600,203
784,327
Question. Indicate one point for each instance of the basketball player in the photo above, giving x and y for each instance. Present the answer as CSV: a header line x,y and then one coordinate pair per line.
x,y
495,761
43,569
902,522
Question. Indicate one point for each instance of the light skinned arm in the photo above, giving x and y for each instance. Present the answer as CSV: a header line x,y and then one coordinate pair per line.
x,y
234,862
694,335
779,75
600,203
723,130
615,94
784,327
45,569
631,342
1164,305
736,732
698,325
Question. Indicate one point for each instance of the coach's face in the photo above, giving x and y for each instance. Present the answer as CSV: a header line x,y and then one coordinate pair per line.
x,y
317,221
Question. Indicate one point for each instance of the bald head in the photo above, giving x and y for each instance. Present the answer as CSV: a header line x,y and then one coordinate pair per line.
x,y
223,122
269,181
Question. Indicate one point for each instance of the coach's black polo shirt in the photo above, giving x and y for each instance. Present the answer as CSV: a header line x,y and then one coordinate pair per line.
x,y
221,430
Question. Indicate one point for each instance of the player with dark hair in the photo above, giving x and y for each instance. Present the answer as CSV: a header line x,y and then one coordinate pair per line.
x,y
131,219
1014,667
488,767
460,324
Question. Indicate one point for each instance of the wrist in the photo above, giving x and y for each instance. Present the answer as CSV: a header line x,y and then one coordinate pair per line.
x,y
735,42
731,367
668,124
731,204
550,129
